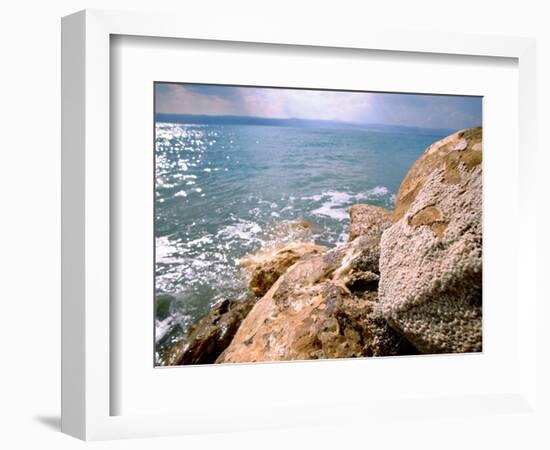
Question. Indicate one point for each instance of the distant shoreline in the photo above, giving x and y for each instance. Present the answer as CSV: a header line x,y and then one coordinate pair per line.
x,y
294,122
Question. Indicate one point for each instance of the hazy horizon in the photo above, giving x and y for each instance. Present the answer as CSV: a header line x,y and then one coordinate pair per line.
x,y
344,107
197,119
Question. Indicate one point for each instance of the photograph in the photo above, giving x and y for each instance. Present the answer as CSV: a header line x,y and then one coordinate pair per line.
x,y
296,224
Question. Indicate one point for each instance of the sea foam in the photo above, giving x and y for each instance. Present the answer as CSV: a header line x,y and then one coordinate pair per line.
x,y
336,203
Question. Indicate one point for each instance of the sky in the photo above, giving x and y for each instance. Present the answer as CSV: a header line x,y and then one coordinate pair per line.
x,y
425,111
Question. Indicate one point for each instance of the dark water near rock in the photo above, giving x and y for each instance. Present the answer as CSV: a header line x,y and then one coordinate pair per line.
x,y
223,190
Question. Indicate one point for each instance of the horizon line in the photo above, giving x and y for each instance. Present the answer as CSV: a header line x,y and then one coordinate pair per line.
x,y
291,119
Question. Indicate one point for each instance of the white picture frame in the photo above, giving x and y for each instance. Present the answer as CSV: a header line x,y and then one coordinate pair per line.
x,y
86,223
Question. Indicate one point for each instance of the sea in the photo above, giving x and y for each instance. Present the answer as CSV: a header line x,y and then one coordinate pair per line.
x,y
225,191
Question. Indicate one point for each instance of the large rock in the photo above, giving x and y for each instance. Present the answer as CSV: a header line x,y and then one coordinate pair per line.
x,y
430,287
265,267
211,335
368,219
459,151
321,307
298,317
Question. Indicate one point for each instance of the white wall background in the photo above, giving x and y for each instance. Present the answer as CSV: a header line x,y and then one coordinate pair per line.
x,y
30,196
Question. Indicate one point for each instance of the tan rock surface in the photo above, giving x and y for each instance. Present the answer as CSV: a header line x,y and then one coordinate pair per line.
x,y
431,257
462,148
265,267
368,219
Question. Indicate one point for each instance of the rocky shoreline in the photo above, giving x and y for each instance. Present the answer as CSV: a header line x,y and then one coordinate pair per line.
x,y
408,281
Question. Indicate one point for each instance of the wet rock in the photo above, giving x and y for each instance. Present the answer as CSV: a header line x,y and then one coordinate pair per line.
x,y
430,287
368,219
265,267
211,335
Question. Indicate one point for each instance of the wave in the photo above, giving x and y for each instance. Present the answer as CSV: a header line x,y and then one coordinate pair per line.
x,y
166,251
164,327
245,230
336,203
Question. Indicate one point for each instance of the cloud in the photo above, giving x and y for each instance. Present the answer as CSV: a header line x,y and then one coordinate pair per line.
x,y
180,99
430,111
306,104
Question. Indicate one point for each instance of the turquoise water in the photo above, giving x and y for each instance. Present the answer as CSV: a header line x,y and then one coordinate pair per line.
x,y
223,190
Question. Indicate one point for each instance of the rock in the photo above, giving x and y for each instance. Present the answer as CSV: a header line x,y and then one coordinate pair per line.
x,y
298,317
211,335
430,288
459,149
368,219
265,267
384,340
321,307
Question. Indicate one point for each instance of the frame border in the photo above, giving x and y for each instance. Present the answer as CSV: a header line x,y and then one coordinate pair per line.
x,y
85,193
